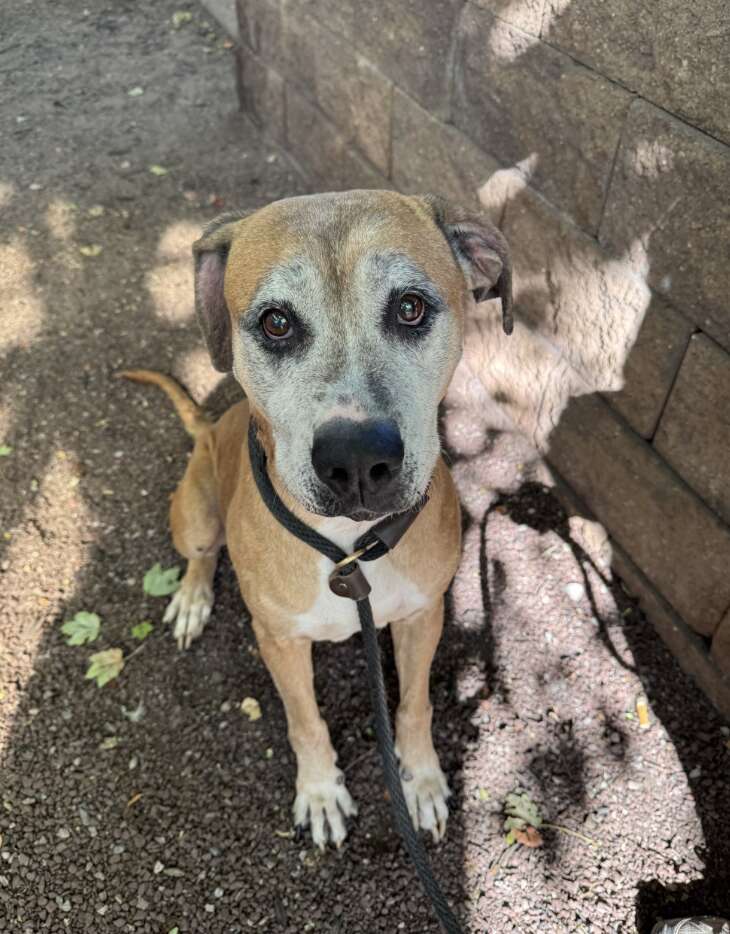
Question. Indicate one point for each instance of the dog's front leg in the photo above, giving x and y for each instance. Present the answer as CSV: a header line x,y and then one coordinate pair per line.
x,y
424,784
322,799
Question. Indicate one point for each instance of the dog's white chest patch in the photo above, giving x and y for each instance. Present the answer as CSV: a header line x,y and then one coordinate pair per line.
x,y
333,618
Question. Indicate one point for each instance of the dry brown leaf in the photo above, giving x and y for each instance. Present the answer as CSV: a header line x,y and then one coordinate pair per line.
x,y
530,836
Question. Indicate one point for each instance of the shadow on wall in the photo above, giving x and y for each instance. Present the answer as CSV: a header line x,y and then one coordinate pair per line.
x,y
579,314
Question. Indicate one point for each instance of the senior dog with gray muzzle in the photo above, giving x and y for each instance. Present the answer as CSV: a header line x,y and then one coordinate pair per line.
x,y
341,316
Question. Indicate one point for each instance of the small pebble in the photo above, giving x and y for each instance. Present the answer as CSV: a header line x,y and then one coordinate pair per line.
x,y
575,591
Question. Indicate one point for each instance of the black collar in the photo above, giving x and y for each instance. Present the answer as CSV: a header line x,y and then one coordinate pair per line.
x,y
346,579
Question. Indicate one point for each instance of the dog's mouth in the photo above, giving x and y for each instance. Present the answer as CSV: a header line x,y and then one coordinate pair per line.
x,y
359,511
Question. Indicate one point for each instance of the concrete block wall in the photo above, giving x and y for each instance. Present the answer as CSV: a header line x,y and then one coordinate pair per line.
x,y
598,136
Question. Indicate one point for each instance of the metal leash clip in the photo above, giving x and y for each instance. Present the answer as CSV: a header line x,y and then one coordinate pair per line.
x,y
347,579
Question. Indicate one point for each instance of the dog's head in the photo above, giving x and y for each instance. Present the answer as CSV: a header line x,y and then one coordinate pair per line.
x,y
341,316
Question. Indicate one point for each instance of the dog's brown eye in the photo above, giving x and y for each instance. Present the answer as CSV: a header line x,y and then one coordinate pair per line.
x,y
276,324
411,309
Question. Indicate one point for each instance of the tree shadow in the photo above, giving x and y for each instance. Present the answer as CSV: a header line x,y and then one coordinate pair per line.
x,y
687,716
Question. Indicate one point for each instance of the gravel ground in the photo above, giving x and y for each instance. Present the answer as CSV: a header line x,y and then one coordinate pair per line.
x,y
153,803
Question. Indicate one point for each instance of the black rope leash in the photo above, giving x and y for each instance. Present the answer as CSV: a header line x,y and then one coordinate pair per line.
x,y
347,580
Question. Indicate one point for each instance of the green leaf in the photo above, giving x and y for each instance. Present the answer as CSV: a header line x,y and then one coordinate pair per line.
x,y
174,931
134,716
90,249
523,808
158,170
142,630
179,18
83,628
510,838
105,665
5,450
161,583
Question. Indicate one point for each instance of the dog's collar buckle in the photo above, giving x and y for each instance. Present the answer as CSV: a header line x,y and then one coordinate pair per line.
x,y
347,579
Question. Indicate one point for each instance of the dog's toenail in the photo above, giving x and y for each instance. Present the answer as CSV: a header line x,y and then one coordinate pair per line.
x,y
406,775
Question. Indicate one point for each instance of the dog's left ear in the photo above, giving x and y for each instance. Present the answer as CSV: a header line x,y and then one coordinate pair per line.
x,y
481,250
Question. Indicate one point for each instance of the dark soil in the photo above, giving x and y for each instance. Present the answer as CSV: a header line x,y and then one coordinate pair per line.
x,y
182,818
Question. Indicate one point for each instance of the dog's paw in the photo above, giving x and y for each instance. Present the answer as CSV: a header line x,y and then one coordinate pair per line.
x,y
324,805
426,791
189,611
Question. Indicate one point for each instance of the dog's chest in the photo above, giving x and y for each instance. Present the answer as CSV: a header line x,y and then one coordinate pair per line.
x,y
334,618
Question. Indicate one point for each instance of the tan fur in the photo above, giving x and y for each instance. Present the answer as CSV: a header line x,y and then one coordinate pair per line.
x,y
281,578
216,502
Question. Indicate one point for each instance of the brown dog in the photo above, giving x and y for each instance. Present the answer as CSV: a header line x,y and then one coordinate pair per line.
x,y
341,316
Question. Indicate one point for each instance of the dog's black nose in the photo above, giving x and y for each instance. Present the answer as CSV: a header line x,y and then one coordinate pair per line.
x,y
358,460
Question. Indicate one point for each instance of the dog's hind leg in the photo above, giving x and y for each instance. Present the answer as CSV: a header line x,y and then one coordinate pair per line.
x,y
197,532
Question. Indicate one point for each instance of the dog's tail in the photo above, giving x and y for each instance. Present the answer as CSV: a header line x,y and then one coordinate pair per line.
x,y
192,416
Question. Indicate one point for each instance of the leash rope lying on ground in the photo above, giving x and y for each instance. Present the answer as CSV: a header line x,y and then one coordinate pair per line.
x,y
376,548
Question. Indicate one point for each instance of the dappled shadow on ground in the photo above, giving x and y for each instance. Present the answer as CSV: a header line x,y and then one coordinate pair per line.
x,y
569,652
692,729
153,803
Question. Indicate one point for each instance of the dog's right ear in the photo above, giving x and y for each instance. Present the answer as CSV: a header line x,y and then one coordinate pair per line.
x,y
211,253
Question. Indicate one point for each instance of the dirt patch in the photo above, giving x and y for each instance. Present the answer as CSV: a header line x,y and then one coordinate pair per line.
x,y
182,818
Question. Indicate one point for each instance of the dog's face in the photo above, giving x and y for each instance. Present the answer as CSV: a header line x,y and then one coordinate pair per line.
x,y
341,316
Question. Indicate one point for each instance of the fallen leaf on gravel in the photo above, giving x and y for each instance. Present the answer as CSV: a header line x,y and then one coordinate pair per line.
x,y
5,450
642,712
159,582
285,834
172,873
83,628
104,666
95,210
111,742
483,794
142,630
91,249
251,707
158,170
134,799
180,17
134,716
174,931
521,810
529,837
269,754
135,92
